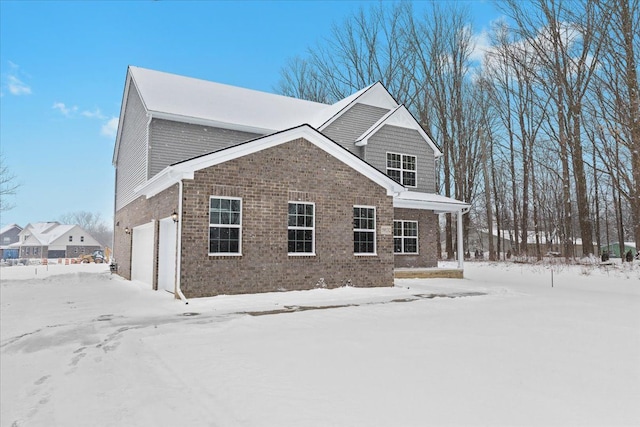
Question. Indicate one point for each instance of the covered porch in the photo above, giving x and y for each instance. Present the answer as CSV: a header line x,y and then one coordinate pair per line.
x,y
439,205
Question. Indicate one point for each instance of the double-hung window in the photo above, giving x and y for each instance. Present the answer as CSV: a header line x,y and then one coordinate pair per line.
x,y
364,230
225,226
405,237
402,168
301,228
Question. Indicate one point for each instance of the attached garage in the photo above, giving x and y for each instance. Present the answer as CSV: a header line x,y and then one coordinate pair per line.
x,y
142,253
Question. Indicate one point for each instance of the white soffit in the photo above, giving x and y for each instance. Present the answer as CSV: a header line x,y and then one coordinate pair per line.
x,y
435,202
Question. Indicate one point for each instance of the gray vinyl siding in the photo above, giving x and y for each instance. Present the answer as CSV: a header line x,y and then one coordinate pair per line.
x,y
352,124
131,163
399,140
172,142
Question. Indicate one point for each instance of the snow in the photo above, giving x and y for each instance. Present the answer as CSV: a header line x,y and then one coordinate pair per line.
x,y
220,103
80,346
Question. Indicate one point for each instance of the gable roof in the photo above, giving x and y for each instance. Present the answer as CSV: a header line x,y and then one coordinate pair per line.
x,y
399,116
189,99
9,227
186,169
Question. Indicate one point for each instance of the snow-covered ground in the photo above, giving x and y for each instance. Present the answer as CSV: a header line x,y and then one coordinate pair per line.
x,y
81,347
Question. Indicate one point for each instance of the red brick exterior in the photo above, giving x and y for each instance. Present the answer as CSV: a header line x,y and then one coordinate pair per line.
x,y
427,229
140,211
266,181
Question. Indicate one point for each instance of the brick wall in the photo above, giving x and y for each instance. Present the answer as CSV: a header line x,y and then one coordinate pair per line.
x,y
138,212
427,229
266,181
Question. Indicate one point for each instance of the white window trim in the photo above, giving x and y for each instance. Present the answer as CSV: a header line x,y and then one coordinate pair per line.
x,y
375,233
239,226
401,169
313,230
417,237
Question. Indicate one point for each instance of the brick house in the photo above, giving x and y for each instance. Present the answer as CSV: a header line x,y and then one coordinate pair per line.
x,y
223,190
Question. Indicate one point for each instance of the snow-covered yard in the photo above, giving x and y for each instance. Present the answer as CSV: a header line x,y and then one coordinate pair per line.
x,y
502,347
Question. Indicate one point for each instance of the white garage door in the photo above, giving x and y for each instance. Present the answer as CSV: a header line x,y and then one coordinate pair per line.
x,y
142,253
167,255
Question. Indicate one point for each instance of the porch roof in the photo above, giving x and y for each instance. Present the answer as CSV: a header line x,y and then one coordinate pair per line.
x,y
435,202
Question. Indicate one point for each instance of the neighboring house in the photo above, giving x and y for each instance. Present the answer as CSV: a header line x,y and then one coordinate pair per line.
x,y
55,240
613,249
550,244
9,236
221,189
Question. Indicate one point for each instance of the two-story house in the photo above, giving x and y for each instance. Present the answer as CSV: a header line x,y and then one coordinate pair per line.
x,y
55,240
9,241
221,189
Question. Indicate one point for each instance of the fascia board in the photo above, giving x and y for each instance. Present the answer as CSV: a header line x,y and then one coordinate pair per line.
x,y
439,204
185,170
206,122
123,107
375,95
400,117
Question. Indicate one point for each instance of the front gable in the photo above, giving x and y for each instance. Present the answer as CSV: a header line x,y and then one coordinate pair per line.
x,y
263,184
186,169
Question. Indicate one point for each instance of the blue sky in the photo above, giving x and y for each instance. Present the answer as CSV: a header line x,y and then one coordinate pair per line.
x,y
63,66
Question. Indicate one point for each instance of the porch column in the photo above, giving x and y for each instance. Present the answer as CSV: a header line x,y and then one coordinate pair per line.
x,y
460,248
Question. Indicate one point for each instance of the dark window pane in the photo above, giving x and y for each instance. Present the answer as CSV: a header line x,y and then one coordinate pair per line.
x,y
411,245
397,245
235,205
215,203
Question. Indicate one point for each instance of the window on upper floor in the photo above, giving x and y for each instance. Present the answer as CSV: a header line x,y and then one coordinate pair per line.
x,y
405,237
301,228
364,230
71,238
225,226
82,238
402,168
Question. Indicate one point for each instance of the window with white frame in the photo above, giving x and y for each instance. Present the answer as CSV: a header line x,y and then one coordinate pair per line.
x,y
225,226
364,230
405,237
402,168
82,238
71,238
301,228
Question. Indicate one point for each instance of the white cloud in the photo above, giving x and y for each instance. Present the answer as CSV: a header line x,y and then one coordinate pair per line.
x,y
481,45
66,111
110,128
95,114
12,82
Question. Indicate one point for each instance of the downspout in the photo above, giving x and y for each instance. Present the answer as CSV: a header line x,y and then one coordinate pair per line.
x,y
179,251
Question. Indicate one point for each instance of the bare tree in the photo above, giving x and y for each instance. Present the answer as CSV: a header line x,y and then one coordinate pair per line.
x,y
92,223
565,36
8,185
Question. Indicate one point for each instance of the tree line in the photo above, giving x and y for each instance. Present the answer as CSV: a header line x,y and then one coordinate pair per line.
x,y
539,126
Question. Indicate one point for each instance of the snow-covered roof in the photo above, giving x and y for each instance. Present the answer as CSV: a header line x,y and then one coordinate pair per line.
x,y
189,99
185,170
9,227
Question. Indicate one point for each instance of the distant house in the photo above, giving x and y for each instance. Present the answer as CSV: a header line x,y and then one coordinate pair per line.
x,y
55,240
613,249
9,236
550,243
221,189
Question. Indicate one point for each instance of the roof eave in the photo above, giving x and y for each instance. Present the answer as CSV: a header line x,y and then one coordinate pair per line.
x,y
208,122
